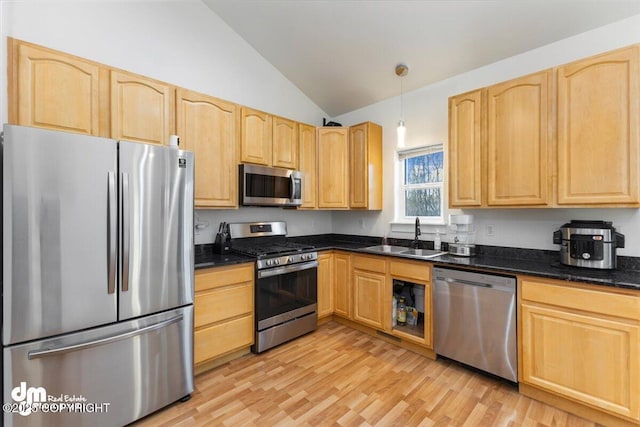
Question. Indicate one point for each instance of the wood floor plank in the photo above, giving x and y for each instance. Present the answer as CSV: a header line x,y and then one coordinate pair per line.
x,y
338,376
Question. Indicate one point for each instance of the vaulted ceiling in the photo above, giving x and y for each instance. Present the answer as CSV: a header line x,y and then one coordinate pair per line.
x,y
342,53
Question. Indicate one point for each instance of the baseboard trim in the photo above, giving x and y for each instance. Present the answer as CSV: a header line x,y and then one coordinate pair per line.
x,y
575,408
218,361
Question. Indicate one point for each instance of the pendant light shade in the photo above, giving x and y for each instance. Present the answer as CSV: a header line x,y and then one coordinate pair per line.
x,y
401,71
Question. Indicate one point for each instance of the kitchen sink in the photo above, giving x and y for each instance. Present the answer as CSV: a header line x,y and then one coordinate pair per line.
x,y
385,249
422,253
403,251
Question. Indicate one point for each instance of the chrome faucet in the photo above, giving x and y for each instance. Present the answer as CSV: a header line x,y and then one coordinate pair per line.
x,y
416,242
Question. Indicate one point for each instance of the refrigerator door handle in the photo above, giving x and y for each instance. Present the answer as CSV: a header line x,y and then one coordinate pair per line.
x,y
112,232
35,354
126,230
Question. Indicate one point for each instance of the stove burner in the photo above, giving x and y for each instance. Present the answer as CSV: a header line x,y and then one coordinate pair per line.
x,y
256,249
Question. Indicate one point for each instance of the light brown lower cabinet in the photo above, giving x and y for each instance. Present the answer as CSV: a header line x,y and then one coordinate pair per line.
x,y
418,275
224,313
369,283
581,343
342,284
325,284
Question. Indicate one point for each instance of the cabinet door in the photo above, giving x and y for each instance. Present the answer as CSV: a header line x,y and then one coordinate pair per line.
x,y
598,129
142,109
53,90
308,165
325,285
358,171
209,127
365,166
518,139
342,284
369,297
581,343
285,143
333,168
606,376
465,149
255,138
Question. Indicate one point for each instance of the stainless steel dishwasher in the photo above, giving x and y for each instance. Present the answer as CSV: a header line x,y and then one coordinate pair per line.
x,y
475,320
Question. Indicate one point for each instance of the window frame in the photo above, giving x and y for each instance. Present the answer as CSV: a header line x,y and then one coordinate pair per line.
x,y
400,187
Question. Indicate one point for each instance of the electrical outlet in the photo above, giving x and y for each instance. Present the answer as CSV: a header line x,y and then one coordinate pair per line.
x,y
362,224
490,230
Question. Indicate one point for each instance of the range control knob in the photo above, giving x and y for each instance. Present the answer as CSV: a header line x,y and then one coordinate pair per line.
x,y
269,262
277,261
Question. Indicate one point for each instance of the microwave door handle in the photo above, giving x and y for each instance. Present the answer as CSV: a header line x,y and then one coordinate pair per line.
x,y
292,194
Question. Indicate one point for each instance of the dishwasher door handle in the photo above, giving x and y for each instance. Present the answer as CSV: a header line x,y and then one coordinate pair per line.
x,y
464,282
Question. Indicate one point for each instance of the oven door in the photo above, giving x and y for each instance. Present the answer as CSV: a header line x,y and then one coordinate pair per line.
x,y
285,293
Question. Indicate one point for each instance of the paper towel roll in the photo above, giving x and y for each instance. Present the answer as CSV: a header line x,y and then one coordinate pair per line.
x,y
174,141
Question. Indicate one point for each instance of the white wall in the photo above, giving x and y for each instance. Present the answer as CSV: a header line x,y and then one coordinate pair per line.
x,y
179,42
425,112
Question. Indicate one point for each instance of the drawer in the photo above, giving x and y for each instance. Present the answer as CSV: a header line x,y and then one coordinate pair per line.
x,y
369,263
223,338
591,300
416,270
210,278
214,305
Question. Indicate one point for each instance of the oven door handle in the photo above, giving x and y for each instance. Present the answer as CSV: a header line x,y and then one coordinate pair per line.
x,y
287,269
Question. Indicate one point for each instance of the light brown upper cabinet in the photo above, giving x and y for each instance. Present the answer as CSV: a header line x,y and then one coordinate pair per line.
x,y
519,135
465,149
285,143
365,166
598,129
502,149
256,135
142,109
54,90
210,128
333,167
308,165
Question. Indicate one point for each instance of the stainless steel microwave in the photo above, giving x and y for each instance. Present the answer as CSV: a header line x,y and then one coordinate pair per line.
x,y
267,186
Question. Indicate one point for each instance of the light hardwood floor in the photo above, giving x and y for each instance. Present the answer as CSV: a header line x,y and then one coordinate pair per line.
x,y
340,376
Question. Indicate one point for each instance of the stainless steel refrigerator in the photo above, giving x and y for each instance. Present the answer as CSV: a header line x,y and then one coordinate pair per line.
x,y
97,305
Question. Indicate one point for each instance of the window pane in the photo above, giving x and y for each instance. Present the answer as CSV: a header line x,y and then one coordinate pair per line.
x,y
422,202
425,168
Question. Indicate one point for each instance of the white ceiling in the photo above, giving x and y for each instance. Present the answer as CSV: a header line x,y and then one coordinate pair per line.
x,y
342,54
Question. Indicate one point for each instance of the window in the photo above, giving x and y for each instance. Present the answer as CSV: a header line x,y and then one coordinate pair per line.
x,y
421,185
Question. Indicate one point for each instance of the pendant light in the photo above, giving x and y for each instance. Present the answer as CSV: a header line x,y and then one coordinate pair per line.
x,y
401,71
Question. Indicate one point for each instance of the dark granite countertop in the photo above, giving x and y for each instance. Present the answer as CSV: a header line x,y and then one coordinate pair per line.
x,y
542,263
205,258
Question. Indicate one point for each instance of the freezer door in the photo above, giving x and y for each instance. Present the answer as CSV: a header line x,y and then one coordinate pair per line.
x,y
109,376
59,230
156,229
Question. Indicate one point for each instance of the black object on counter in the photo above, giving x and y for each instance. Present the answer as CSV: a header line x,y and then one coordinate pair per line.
x,y
222,244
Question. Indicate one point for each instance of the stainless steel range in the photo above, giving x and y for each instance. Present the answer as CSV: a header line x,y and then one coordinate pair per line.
x,y
286,291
